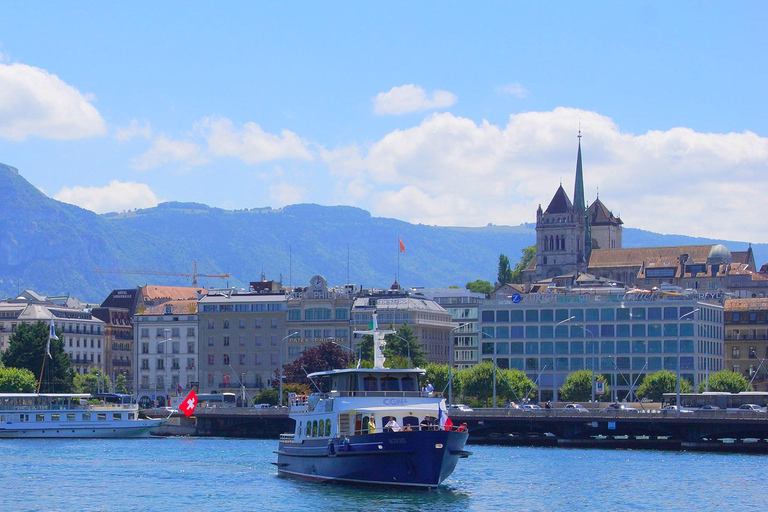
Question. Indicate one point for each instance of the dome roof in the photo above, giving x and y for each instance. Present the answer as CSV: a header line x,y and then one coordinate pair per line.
x,y
719,254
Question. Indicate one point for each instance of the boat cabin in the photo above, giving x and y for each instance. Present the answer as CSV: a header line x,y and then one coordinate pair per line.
x,y
369,382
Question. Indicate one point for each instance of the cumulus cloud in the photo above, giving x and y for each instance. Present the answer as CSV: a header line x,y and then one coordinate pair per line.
x,y
133,130
36,103
451,170
115,197
411,98
286,193
250,143
167,151
514,89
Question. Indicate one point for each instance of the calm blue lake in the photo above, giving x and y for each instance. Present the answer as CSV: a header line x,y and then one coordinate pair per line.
x,y
205,474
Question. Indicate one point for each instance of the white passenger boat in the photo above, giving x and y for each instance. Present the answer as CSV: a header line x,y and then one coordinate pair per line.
x,y
341,432
43,415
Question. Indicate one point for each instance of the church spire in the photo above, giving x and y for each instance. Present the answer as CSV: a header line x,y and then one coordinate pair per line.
x,y
578,188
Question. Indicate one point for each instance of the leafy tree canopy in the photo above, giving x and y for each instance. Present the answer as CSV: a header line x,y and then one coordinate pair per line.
x,y
94,381
476,385
17,380
664,381
504,275
326,356
402,344
726,381
480,286
578,387
517,274
27,350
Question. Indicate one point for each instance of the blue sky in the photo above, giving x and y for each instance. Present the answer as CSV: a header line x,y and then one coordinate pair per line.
x,y
452,113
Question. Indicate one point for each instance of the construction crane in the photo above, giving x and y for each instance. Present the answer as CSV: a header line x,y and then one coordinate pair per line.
x,y
194,273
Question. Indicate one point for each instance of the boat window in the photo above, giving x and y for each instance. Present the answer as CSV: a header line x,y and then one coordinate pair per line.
x,y
407,384
370,384
117,416
39,417
71,416
365,425
413,421
309,429
300,429
102,417
328,428
55,417
86,416
390,384
314,428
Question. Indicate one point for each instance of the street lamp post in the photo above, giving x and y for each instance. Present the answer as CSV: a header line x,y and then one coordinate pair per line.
x,y
450,362
280,397
407,344
677,403
554,360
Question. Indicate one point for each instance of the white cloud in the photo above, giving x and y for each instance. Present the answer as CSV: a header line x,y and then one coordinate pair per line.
x,y
133,130
286,193
251,143
514,89
450,170
115,197
36,103
167,151
411,98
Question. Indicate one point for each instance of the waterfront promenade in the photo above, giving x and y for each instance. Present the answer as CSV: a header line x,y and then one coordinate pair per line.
x,y
649,427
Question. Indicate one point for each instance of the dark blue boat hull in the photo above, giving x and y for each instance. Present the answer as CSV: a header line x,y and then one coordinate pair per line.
x,y
416,459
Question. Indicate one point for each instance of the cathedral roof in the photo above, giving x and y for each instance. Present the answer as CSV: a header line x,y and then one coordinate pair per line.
x,y
560,202
599,215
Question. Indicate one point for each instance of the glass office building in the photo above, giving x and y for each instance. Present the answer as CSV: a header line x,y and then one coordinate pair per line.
x,y
622,336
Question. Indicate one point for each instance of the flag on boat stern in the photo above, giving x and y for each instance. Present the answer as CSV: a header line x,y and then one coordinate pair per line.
x,y
187,406
444,421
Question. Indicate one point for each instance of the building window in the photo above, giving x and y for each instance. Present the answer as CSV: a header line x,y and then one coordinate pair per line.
x,y
210,324
735,353
211,360
226,324
258,323
226,341
226,358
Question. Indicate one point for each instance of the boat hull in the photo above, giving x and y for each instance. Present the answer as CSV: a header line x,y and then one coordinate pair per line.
x,y
411,459
139,428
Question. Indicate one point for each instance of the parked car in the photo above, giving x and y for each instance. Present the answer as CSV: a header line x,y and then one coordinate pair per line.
x,y
261,406
674,408
618,407
575,408
459,407
531,407
751,407
709,408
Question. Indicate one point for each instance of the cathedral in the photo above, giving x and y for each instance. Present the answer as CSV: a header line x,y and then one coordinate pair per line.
x,y
567,232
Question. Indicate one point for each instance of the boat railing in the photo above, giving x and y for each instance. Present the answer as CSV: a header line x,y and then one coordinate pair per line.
x,y
287,438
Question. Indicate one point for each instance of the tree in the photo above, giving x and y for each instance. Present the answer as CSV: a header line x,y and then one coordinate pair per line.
x,y
578,387
517,274
17,380
480,286
400,345
121,384
94,381
664,381
726,381
266,396
438,377
476,384
504,275
326,356
27,349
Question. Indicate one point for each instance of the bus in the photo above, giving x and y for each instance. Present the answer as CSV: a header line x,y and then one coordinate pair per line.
x,y
719,399
217,400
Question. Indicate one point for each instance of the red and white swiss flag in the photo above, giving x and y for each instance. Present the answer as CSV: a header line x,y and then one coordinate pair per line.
x,y
187,406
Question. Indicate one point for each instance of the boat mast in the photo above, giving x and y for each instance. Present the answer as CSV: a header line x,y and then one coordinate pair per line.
x,y
378,341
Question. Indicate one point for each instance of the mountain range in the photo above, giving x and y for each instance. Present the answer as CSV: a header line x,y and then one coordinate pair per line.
x,y
55,248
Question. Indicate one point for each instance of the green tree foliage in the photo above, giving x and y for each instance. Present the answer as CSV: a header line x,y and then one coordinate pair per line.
x,y
658,383
17,380
326,356
94,381
726,381
267,396
476,385
121,384
529,253
480,286
578,387
397,349
504,275
438,377
26,349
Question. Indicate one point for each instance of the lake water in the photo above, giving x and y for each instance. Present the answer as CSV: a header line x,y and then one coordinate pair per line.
x,y
215,474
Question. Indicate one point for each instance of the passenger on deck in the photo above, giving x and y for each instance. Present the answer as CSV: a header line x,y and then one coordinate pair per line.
x,y
407,428
372,424
462,428
426,423
392,425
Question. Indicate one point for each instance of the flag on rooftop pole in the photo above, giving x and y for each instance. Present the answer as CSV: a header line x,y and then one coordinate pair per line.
x,y
402,246
51,335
